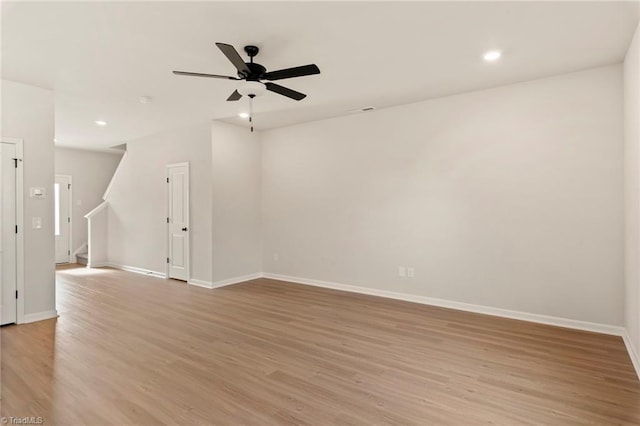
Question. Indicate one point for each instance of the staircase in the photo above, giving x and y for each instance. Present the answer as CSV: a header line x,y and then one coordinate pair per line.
x,y
82,258
94,255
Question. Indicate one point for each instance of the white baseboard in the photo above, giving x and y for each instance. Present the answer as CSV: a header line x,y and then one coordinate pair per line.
x,y
39,316
133,269
200,283
488,310
223,283
236,280
635,359
97,264
193,281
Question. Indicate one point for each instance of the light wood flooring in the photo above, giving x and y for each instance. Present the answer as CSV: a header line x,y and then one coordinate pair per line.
x,y
130,349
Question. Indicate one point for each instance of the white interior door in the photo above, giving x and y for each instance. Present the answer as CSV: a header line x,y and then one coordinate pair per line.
x,y
8,223
178,220
62,226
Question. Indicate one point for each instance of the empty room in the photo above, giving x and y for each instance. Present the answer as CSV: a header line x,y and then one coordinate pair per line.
x,y
320,213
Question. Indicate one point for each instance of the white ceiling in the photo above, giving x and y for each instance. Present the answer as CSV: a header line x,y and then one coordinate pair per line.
x,y
100,57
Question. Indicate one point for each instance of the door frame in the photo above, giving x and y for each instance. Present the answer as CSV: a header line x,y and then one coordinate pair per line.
x,y
69,254
19,145
167,211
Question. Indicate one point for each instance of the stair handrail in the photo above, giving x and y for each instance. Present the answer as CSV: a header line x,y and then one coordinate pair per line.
x,y
97,210
97,224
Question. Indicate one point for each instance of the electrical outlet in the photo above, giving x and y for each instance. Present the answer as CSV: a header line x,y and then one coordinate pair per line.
x,y
402,271
276,257
36,222
410,272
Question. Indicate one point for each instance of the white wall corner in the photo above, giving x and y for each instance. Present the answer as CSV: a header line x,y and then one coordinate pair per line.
x,y
200,283
635,359
237,280
227,282
40,316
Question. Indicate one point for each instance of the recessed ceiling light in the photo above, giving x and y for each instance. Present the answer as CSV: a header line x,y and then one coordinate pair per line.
x,y
100,122
243,115
55,140
492,55
145,99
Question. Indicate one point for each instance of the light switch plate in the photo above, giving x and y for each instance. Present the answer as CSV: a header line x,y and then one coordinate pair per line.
x,y
37,192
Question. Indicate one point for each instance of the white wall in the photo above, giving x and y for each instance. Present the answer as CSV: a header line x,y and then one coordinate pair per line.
x,y
632,188
236,202
28,114
98,237
91,172
137,201
509,198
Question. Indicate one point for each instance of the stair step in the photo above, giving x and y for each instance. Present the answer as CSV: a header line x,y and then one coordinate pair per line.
x,y
82,258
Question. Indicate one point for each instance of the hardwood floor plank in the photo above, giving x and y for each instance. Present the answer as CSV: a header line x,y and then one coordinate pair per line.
x,y
130,349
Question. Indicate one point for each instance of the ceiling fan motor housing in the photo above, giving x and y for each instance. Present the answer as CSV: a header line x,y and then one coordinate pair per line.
x,y
256,71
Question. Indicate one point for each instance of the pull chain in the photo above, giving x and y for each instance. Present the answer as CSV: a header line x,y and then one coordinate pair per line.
x,y
251,112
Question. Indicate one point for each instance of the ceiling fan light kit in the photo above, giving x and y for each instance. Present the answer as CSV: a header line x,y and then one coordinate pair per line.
x,y
248,88
251,74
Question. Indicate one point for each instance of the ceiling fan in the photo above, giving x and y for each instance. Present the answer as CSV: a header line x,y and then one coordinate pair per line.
x,y
252,73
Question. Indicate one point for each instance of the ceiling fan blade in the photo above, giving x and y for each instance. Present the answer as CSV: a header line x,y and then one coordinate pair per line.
x,y
234,96
232,54
197,74
285,91
292,72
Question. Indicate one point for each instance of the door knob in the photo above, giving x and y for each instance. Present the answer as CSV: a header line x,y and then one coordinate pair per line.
x,y
184,229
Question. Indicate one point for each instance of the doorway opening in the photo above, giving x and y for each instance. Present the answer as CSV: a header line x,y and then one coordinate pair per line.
x,y
62,217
